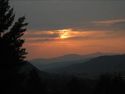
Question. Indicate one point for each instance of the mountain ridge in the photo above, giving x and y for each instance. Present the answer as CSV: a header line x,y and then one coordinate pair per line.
x,y
98,65
62,60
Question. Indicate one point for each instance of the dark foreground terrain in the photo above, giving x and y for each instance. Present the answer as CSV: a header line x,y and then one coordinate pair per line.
x,y
100,75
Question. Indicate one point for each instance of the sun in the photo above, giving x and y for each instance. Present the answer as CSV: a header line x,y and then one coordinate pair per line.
x,y
64,33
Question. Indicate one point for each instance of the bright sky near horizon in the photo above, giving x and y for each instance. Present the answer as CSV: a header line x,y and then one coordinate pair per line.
x,y
59,27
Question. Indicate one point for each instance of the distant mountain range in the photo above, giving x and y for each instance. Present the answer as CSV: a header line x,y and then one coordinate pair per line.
x,y
72,63
62,61
96,66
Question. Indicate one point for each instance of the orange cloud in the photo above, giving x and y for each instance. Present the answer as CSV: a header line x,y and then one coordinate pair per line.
x,y
109,22
68,34
46,44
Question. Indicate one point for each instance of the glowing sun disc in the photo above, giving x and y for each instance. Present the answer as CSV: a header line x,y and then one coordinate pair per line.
x,y
64,33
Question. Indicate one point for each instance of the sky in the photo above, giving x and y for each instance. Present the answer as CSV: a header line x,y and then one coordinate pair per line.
x,y
60,27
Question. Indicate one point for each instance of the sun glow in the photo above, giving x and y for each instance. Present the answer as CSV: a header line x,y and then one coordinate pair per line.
x,y
59,42
64,33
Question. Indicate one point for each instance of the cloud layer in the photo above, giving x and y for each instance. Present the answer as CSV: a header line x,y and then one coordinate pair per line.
x,y
59,27
49,15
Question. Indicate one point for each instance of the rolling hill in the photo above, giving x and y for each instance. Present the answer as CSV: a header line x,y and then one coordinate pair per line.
x,y
95,66
62,61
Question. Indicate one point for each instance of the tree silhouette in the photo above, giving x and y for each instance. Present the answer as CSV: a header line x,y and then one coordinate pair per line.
x,y
36,85
118,84
110,84
74,86
10,35
12,55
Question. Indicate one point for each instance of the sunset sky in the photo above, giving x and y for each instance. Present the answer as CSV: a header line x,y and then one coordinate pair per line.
x,y
59,27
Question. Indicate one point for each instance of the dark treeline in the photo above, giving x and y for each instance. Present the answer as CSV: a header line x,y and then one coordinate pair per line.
x,y
104,84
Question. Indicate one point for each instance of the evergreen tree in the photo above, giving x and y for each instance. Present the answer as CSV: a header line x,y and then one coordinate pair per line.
x,y
36,85
12,55
74,86
104,84
10,35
